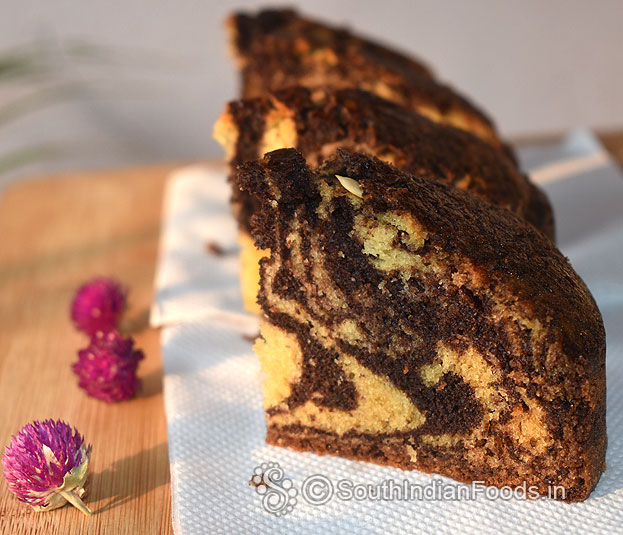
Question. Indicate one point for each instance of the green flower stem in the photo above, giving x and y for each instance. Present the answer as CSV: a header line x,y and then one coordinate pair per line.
x,y
40,99
28,155
75,500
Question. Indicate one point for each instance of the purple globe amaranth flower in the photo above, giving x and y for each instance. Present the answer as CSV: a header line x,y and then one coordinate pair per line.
x,y
46,465
98,305
107,368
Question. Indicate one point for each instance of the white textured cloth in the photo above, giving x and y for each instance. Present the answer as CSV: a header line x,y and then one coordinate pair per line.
x,y
191,282
214,405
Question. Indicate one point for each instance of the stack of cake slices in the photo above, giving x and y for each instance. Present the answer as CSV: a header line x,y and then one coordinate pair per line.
x,y
415,311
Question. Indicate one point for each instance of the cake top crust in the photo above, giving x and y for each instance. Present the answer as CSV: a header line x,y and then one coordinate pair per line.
x,y
360,120
286,48
288,26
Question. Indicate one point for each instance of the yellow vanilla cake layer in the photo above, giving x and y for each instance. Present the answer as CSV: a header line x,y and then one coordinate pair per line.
x,y
250,257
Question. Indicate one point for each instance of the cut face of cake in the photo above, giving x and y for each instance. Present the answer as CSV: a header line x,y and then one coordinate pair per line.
x,y
316,122
409,323
278,48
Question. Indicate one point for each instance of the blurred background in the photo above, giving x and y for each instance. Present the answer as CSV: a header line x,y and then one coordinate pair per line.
x,y
91,84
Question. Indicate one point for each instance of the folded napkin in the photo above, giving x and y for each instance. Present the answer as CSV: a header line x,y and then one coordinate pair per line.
x,y
213,401
197,273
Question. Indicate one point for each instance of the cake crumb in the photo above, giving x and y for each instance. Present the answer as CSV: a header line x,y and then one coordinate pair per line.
x,y
250,337
214,248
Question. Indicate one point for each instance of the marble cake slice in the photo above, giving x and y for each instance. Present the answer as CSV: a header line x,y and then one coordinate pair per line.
x,y
317,121
409,323
278,48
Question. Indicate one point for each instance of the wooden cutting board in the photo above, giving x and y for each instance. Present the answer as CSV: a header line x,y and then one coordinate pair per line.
x,y
55,233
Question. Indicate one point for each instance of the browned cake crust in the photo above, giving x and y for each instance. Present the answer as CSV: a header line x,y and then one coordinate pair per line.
x,y
279,48
316,122
467,315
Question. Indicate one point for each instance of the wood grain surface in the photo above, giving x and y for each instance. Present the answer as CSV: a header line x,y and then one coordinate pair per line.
x,y
55,233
